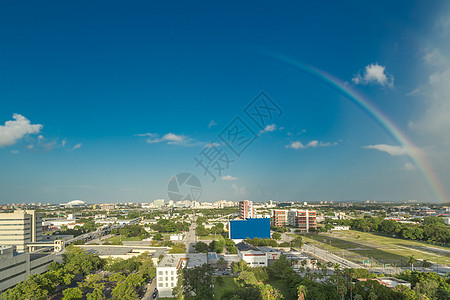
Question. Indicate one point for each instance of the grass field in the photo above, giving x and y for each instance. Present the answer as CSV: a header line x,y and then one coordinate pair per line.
x,y
229,284
211,237
123,239
356,246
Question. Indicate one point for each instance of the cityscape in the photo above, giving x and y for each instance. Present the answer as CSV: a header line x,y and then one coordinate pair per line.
x,y
225,151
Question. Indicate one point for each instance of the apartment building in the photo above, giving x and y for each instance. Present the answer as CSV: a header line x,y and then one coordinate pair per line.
x,y
305,220
246,209
166,271
279,218
20,228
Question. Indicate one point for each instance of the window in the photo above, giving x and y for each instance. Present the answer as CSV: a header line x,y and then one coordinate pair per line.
x,y
161,284
167,284
171,273
171,278
167,278
160,272
167,272
173,284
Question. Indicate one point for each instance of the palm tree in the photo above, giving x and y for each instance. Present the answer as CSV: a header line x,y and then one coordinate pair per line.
x,y
301,292
303,262
426,264
412,261
313,262
336,268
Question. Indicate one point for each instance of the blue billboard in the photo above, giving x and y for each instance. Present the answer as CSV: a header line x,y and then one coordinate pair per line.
x,y
250,228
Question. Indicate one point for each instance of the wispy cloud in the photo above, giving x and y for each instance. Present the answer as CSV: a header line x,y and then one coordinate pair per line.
x,y
212,124
229,178
172,139
271,128
211,145
239,190
77,146
312,144
15,151
374,73
409,166
392,150
16,129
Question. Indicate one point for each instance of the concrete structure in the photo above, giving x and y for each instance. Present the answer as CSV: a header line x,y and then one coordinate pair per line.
x,y
20,228
125,252
15,268
389,282
158,203
246,209
252,255
341,228
279,217
166,271
75,203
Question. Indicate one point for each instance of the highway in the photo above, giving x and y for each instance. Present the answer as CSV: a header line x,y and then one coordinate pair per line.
x,y
190,238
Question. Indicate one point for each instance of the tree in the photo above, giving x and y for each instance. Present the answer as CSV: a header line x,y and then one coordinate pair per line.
x,y
276,236
247,278
201,247
157,236
426,264
197,281
72,294
412,261
297,242
280,268
301,292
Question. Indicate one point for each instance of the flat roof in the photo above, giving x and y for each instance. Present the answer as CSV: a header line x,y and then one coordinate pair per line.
x,y
246,247
188,260
120,250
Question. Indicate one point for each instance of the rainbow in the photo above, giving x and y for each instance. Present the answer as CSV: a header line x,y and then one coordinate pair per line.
x,y
416,155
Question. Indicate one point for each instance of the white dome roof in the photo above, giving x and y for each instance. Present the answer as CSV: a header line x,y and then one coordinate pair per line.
x,y
76,202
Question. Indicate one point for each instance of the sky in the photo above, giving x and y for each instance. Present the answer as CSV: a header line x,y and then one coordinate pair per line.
x,y
106,101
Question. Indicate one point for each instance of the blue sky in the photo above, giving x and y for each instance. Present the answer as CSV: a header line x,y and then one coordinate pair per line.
x,y
106,101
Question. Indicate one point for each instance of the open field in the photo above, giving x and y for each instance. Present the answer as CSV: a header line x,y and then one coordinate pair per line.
x,y
211,237
356,246
117,238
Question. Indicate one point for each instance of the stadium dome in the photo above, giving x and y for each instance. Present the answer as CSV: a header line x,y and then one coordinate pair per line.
x,y
75,203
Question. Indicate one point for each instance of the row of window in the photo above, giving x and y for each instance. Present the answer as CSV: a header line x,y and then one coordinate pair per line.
x,y
167,273
167,278
167,284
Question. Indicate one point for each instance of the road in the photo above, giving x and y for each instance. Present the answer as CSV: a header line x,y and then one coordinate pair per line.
x,y
327,256
190,239
149,292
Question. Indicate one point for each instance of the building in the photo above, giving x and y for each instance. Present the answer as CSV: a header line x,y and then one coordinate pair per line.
x,y
389,282
279,218
75,203
246,209
305,220
158,203
250,228
20,228
16,268
251,255
166,271
107,206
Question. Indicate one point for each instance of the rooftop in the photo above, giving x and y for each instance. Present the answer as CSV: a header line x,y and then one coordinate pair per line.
x,y
189,260
246,247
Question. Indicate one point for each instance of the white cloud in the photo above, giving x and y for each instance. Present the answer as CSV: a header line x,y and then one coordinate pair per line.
x,y
409,166
211,145
15,151
63,143
239,190
212,123
77,146
374,73
435,58
229,178
269,128
392,150
14,130
312,144
169,138
435,121
30,147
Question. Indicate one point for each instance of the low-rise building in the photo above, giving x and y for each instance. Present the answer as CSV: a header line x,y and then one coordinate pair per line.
x,y
166,271
252,255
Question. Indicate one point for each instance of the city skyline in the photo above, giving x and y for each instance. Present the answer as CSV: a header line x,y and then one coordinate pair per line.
x,y
107,103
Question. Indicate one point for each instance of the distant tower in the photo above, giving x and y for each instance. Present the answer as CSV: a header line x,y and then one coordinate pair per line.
x,y
246,209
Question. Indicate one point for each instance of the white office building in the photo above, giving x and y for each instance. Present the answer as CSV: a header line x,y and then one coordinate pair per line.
x,y
166,271
20,228
252,255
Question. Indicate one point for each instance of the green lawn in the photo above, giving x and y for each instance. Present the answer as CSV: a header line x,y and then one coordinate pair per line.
x,y
229,284
211,237
122,238
356,245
